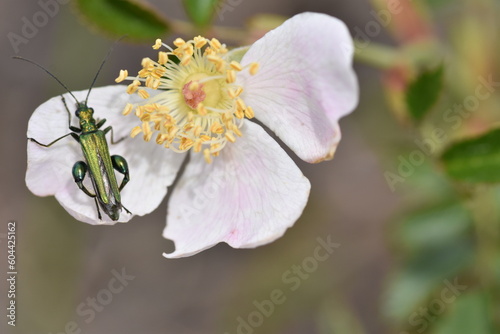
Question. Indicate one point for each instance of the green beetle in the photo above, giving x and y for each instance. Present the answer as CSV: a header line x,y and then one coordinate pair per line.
x,y
98,161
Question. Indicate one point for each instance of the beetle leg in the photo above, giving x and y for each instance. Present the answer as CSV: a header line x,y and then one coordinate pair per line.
x,y
126,210
121,166
53,142
109,128
97,207
79,171
72,128
101,123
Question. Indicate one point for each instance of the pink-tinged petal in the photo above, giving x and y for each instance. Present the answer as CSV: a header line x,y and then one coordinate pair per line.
x,y
305,83
248,196
49,169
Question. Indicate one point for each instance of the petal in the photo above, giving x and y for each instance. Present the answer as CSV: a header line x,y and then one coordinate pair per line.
x,y
49,169
305,83
248,196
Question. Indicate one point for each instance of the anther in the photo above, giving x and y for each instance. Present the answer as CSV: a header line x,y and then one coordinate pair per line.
x,y
157,44
142,93
215,44
229,136
162,58
123,75
128,109
199,42
135,131
179,42
254,68
206,154
236,66
230,76
249,113
201,109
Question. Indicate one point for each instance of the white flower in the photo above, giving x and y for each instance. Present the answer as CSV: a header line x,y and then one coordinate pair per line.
x,y
239,187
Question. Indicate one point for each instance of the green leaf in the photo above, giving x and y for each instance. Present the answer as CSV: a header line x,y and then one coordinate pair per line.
x,y
424,92
201,12
475,160
432,227
123,17
423,274
470,314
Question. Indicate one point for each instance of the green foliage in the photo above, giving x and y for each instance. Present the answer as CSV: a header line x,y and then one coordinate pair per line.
x,y
432,227
424,92
475,160
470,314
123,17
201,12
438,246
423,273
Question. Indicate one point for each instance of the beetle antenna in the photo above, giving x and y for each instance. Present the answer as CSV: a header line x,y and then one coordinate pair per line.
x,y
48,72
102,64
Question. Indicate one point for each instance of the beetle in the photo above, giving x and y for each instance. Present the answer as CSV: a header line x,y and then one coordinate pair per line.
x,y
98,161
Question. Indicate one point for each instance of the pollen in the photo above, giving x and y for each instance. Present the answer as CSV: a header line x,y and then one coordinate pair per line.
x,y
199,105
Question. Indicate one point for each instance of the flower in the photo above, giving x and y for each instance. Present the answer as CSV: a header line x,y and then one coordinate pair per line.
x,y
239,187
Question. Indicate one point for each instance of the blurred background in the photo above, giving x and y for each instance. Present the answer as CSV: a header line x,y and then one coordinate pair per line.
x,y
410,201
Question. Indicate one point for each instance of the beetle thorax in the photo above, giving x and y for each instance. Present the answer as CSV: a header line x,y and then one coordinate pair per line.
x,y
87,121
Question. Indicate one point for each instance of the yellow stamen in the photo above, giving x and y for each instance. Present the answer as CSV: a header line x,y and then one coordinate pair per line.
x,y
234,93
230,76
135,131
229,136
132,88
186,60
179,42
206,154
254,68
215,44
157,44
162,58
142,93
249,113
128,109
236,130
197,145
217,128
123,75
198,103
236,66
240,104
199,42
201,109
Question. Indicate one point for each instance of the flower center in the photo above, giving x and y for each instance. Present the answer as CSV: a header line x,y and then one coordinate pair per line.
x,y
198,107
193,94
